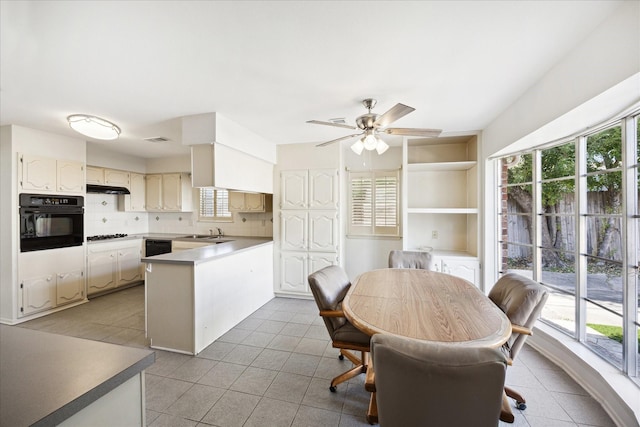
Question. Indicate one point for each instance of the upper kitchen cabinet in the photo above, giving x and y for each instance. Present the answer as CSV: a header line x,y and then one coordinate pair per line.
x,y
169,192
249,202
309,189
441,201
95,175
136,201
111,177
48,175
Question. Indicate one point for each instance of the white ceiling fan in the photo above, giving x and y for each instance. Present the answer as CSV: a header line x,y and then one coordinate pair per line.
x,y
371,124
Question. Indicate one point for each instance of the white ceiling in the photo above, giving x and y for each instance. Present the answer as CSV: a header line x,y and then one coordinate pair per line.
x,y
272,65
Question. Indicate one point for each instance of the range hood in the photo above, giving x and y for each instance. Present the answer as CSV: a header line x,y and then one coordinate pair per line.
x,y
106,189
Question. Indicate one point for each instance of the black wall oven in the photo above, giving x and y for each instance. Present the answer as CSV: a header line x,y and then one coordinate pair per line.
x,y
50,222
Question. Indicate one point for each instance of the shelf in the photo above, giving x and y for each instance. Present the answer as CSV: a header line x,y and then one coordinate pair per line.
x,y
441,166
442,210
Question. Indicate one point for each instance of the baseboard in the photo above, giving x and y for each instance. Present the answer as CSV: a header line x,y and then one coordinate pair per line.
x,y
616,392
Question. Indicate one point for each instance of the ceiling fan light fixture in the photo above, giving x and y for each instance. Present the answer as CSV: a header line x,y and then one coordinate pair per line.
x,y
370,141
382,146
357,147
93,127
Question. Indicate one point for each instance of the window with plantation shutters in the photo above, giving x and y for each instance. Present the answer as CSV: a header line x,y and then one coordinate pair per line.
x,y
374,203
214,205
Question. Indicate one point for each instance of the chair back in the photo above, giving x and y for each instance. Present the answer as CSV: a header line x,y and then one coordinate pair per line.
x,y
329,287
411,259
424,383
522,300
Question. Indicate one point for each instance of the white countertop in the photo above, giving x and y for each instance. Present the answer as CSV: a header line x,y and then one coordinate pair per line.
x,y
208,253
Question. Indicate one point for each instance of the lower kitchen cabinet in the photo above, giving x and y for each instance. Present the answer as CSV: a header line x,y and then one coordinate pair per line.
x,y
295,268
49,279
460,265
113,264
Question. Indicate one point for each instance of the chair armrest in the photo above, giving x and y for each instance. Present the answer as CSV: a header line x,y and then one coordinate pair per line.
x,y
370,377
521,330
331,313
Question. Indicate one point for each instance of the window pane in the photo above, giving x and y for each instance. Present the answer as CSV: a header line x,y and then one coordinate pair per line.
x,y
558,196
604,283
604,193
517,259
518,229
519,168
558,162
519,198
558,270
559,311
604,238
604,334
604,150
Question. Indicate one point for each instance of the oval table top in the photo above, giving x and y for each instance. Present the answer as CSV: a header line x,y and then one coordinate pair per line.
x,y
425,305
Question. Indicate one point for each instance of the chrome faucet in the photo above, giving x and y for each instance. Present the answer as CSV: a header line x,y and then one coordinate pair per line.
x,y
220,233
210,232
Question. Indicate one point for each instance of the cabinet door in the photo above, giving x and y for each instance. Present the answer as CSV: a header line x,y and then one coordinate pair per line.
x,y
38,294
323,231
236,201
117,178
293,272
293,189
293,229
254,202
129,265
101,274
95,175
323,189
318,261
153,192
70,176
38,173
171,192
465,269
69,287
137,188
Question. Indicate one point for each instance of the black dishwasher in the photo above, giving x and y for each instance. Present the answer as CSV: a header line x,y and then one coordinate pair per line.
x,y
156,247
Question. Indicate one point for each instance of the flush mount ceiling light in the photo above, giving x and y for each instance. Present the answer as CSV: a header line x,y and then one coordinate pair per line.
x,y
93,127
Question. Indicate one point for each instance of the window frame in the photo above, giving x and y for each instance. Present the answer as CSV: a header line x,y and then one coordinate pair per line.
x,y
374,229
215,217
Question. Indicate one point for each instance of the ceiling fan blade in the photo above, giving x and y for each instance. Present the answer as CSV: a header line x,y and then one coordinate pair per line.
x,y
393,114
338,139
339,125
429,133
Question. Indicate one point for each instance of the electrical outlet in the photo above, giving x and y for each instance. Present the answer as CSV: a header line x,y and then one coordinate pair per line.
x,y
434,234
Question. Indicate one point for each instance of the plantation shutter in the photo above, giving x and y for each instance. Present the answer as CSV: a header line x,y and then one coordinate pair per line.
x,y
214,204
374,203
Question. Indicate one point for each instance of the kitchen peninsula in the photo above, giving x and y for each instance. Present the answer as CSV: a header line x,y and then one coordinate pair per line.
x,y
194,296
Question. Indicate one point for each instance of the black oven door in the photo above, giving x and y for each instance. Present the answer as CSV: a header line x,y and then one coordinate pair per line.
x,y
50,228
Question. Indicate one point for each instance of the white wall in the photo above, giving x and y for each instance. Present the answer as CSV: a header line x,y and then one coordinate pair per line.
x,y
98,155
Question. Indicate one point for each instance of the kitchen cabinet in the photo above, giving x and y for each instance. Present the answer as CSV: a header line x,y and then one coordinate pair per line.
x,y
464,266
49,279
48,175
309,226
136,201
309,189
249,202
95,175
113,264
441,201
169,192
116,178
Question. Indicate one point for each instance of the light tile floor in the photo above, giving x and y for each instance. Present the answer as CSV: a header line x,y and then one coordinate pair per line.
x,y
274,368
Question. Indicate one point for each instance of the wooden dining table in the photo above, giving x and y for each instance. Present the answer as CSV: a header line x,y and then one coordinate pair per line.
x,y
424,305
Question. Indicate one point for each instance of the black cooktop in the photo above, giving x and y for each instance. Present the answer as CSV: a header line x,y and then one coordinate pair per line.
x,y
105,236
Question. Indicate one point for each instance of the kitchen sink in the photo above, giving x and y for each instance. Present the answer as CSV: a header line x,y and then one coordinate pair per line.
x,y
217,239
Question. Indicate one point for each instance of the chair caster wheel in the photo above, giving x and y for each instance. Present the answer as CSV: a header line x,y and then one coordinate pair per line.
x,y
521,405
332,389
341,357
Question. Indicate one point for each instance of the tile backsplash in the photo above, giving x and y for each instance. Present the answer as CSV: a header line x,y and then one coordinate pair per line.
x,y
103,217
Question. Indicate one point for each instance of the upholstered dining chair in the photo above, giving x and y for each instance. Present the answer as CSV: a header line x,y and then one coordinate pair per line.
x,y
426,383
522,300
329,287
410,259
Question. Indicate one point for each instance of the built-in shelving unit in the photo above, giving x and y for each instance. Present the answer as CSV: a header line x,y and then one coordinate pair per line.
x,y
440,178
